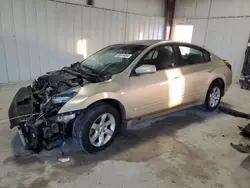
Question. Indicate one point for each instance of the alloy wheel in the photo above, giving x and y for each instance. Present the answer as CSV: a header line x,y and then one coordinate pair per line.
x,y
214,97
102,130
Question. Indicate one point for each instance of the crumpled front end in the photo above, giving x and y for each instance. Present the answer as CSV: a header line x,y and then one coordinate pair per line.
x,y
39,125
34,109
22,105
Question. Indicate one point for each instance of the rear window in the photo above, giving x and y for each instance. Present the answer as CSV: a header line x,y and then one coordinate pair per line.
x,y
191,55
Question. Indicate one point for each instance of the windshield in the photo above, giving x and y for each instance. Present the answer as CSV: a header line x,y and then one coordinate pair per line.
x,y
113,59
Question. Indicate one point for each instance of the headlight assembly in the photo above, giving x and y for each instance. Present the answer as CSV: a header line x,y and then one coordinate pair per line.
x,y
59,100
64,96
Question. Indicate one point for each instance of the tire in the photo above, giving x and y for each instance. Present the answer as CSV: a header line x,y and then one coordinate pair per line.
x,y
85,131
209,105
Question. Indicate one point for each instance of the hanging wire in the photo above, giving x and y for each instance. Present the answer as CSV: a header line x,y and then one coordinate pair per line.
x,y
27,115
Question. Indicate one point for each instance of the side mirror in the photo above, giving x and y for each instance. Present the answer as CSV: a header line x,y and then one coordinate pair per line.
x,y
145,69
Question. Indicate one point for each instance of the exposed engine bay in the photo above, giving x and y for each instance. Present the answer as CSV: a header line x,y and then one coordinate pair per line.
x,y
34,109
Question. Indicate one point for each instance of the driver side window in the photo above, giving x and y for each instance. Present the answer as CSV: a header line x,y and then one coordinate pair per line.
x,y
162,57
152,55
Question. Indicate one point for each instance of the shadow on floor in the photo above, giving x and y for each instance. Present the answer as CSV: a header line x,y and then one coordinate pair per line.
x,y
246,163
138,144
225,104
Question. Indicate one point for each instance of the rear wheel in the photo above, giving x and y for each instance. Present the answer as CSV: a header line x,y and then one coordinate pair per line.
x,y
95,128
213,96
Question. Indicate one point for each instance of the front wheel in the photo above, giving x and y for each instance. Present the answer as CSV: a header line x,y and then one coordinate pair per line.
x,y
213,98
95,128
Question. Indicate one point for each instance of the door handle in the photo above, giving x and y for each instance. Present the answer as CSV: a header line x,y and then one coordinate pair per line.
x,y
175,78
210,70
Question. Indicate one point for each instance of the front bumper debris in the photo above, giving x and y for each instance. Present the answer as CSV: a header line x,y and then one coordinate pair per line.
x,y
21,106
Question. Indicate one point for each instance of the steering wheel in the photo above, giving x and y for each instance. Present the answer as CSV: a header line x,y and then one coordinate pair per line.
x,y
109,66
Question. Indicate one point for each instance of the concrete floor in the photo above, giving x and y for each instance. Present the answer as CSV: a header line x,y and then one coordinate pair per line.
x,y
186,149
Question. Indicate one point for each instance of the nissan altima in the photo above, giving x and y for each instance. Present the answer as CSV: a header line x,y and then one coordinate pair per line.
x,y
95,99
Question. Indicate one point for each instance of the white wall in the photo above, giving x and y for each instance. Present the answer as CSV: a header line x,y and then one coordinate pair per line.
x,y
222,26
37,36
143,7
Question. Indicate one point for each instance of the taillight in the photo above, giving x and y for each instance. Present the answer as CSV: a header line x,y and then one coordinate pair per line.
x,y
228,64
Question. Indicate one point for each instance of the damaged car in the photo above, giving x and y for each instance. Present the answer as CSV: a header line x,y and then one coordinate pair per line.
x,y
121,84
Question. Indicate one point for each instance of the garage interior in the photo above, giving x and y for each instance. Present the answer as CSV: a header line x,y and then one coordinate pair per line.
x,y
190,148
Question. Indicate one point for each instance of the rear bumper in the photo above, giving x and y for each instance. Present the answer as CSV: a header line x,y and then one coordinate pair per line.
x,y
229,79
21,105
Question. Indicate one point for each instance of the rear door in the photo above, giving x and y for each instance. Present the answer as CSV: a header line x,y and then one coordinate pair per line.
x,y
195,65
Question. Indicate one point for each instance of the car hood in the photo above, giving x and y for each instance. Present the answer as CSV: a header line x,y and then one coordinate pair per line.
x,y
53,79
58,81
57,75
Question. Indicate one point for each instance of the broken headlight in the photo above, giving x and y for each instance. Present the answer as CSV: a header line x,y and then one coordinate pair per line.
x,y
65,96
58,100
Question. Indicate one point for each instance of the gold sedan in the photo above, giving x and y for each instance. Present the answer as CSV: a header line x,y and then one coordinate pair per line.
x,y
148,79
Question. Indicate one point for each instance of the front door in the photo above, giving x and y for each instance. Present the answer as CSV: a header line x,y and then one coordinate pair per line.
x,y
149,93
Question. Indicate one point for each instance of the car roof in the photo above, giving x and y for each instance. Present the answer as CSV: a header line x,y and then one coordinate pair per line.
x,y
145,42
152,42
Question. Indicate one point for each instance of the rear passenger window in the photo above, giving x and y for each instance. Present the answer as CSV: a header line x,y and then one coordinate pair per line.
x,y
191,56
207,56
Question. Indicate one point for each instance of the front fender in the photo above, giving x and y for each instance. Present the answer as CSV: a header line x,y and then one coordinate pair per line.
x,y
80,102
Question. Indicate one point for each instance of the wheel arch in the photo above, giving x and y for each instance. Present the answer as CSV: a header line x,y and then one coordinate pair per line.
x,y
220,81
217,79
119,107
116,104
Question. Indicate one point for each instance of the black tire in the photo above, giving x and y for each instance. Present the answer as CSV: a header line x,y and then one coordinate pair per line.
x,y
84,121
207,105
